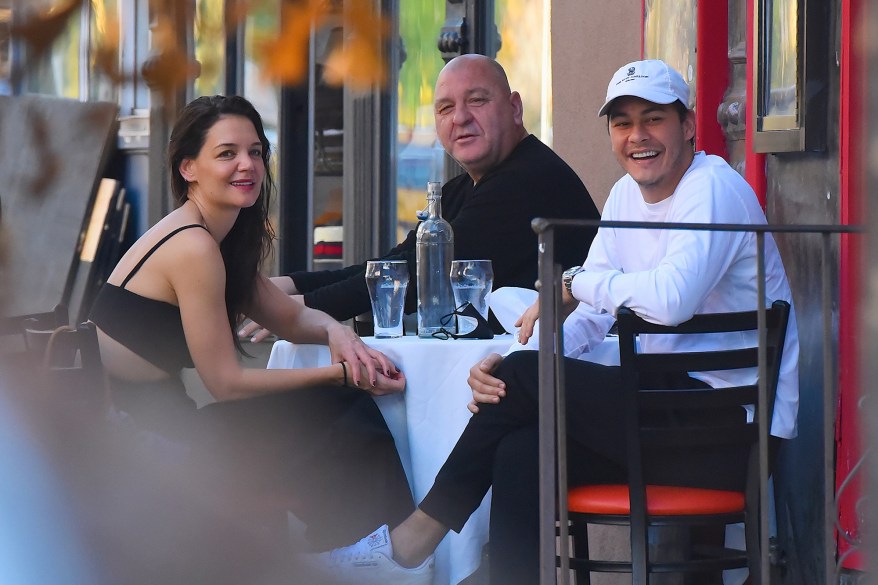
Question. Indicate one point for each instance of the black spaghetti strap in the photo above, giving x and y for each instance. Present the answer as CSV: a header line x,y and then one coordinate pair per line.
x,y
156,247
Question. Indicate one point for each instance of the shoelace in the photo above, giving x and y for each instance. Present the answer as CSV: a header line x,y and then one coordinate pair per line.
x,y
345,556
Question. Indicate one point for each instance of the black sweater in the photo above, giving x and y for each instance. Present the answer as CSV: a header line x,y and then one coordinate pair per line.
x,y
490,220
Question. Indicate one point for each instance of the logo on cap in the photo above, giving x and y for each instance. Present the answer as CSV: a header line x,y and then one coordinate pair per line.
x,y
631,71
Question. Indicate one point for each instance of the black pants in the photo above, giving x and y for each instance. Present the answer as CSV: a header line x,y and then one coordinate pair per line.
x,y
499,447
323,453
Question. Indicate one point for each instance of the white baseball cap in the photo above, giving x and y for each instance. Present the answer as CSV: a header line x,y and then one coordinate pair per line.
x,y
652,80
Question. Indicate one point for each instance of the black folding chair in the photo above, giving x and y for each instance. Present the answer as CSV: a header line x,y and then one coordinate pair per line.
x,y
642,505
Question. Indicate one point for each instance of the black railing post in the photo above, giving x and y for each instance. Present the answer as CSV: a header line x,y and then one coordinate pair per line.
x,y
762,410
547,404
829,394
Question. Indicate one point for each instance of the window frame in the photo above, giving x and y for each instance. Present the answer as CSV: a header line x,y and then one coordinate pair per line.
x,y
805,130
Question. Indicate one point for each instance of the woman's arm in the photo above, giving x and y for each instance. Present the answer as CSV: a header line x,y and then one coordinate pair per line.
x,y
197,277
300,324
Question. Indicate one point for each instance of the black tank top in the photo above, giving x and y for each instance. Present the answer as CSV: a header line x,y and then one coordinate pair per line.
x,y
152,329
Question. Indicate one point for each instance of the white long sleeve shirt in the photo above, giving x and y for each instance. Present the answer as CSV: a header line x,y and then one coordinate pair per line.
x,y
666,276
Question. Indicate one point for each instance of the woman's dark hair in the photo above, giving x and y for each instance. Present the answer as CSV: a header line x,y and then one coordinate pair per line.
x,y
249,241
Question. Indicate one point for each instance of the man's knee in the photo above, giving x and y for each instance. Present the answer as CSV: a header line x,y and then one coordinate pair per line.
x,y
519,365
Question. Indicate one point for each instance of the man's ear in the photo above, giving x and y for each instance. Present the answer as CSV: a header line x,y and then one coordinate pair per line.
x,y
186,169
517,107
689,125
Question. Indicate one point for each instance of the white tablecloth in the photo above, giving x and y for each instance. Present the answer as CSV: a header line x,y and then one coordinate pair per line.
x,y
426,422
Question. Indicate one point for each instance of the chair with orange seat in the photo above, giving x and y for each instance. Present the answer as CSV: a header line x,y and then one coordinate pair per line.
x,y
641,505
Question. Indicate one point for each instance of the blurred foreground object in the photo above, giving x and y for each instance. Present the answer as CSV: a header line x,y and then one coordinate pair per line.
x,y
54,153
357,62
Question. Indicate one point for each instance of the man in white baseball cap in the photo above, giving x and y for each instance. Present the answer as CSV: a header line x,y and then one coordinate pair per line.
x,y
651,127
652,80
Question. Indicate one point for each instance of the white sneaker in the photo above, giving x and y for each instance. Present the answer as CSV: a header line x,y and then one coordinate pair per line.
x,y
368,562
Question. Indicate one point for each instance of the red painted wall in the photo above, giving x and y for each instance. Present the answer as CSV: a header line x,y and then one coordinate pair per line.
x,y
849,450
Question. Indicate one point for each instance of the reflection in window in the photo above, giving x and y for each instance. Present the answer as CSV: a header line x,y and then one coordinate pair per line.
x,y
67,69
670,29
5,48
780,76
525,53
105,33
792,51
210,44
57,72
327,193
261,24
420,157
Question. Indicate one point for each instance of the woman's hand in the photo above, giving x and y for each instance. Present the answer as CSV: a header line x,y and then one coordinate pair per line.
x,y
391,383
365,364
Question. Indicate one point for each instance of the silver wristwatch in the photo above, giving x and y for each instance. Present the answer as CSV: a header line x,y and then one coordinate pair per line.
x,y
567,278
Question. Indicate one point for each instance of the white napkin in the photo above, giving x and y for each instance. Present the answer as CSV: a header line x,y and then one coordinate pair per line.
x,y
508,304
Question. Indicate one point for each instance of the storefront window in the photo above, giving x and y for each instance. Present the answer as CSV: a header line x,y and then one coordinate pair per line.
x,y
57,71
210,44
791,50
5,47
420,157
105,46
669,34
525,53
261,24
780,59
81,62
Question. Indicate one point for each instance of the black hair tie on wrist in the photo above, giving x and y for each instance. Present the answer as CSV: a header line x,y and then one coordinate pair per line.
x,y
344,370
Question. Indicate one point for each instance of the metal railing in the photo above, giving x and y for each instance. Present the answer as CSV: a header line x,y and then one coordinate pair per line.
x,y
552,424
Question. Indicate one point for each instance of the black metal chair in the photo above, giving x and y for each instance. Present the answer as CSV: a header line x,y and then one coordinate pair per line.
x,y
641,505
69,363
57,317
13,346
47,320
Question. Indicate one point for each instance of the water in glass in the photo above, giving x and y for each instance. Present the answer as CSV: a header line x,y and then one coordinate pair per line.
x,y
472,281
387,281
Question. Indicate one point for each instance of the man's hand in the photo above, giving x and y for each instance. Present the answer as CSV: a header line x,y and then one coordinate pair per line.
x,y
257,332
486,388
528,319
253,331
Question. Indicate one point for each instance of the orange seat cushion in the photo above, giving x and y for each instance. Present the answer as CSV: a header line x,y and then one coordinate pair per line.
x,y
660,500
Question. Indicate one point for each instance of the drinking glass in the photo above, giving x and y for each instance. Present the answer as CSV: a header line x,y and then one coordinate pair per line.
x,y
471,281
387,281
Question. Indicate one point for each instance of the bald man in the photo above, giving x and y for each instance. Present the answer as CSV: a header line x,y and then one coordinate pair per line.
x,y
511,177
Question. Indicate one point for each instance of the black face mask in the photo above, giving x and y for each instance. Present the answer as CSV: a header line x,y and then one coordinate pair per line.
x,y
466,318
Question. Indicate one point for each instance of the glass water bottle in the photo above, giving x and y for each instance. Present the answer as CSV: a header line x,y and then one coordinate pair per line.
x,y
435,251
